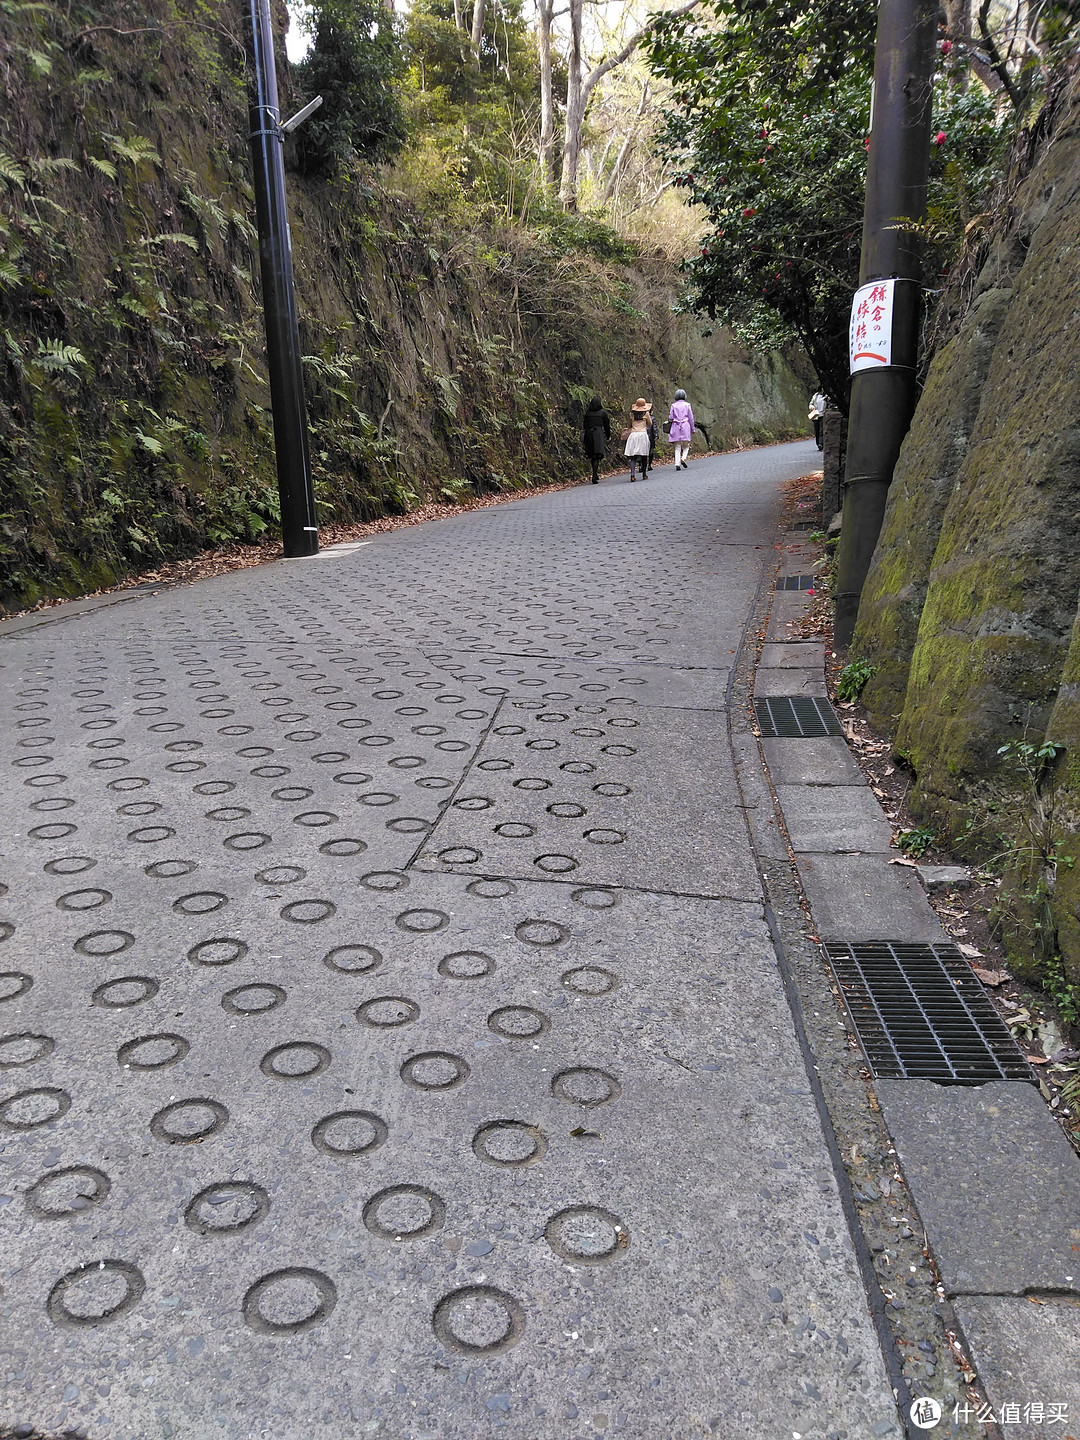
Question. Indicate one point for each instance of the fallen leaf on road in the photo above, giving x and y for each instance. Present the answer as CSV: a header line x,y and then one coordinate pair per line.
x,y
1036,1059
970,951
909,863
990,977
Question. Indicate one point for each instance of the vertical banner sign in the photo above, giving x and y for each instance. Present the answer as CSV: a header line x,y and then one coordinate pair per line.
x,y
870,335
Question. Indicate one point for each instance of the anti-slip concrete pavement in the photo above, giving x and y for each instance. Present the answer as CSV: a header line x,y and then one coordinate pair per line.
x,y
393,1040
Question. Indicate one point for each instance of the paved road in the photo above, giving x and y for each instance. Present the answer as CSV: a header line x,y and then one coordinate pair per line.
x,y
393,1044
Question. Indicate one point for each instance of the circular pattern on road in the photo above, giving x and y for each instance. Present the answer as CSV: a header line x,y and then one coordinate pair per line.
x,y
254,999
27,1109
388,1011
349,1132
226,1207
585,1085
295,1060
125,991
595,899
541,932
63,1193
24,1049
509,1143
14,983
591,980
466,965
435,1070
187,1122
95,1293
83,899
353,959
404,1212
518,1022
100,944
308,912
587,1235
285,1302
422,922
221,951
153,1052
478,1320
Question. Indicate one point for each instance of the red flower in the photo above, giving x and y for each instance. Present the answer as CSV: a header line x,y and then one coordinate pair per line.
x,y
946,47
748,212
940,137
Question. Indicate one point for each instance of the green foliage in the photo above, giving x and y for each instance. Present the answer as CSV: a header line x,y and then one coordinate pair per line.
x,y
567,233
768,131
1064,994
915,842
1033,852
853,677
354,64
61,359
475,112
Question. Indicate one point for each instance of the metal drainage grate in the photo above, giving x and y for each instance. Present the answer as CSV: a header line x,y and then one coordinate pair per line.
x,y
804,716
921,1014
807,525
796,582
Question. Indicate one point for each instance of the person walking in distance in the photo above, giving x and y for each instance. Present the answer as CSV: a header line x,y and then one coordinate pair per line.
x,y
680,428
640,404
819,403
596,429
636,449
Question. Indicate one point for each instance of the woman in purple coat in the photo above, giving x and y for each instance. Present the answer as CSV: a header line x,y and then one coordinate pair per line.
x,y
680,428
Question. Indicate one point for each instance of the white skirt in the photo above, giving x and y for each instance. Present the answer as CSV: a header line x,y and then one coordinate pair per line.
x,y
637,443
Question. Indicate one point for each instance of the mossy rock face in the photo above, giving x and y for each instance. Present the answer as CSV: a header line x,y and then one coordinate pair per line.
x,y
1065,908
1001,596
924,479
971,606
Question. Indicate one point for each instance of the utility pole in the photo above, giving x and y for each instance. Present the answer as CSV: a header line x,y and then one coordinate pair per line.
x,y
887,307
299,532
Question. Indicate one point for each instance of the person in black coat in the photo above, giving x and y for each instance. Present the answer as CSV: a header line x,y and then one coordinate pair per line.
x,y
596,428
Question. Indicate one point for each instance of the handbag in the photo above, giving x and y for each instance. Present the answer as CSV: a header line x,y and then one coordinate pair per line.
x,y
667,427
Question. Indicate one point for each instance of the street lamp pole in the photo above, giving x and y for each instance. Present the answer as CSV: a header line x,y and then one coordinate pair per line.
x,y
887,306
299,531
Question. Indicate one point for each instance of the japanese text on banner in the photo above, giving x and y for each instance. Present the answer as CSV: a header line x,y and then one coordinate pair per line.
x,y
870,337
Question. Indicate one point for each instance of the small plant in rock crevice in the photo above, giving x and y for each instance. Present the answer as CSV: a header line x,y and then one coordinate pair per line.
x,y
1031,857
915,843
853,677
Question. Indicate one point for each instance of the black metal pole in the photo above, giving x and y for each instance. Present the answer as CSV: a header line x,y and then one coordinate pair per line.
x,y
883,391
299,532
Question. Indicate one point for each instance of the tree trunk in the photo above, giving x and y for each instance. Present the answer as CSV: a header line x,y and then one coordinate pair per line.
x,y
545,10
627,145
580,87
575,113
478,14
958,30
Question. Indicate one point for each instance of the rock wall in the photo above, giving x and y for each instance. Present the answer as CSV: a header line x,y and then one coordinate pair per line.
x,y
446,354
971,606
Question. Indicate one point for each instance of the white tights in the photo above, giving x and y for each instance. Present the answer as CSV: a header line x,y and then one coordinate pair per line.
x,y
682,454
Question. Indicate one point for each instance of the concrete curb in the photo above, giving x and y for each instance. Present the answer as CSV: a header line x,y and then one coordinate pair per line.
x,y
994,1181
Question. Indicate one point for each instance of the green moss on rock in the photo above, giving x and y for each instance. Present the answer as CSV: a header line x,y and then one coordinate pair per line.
x,y
925,475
